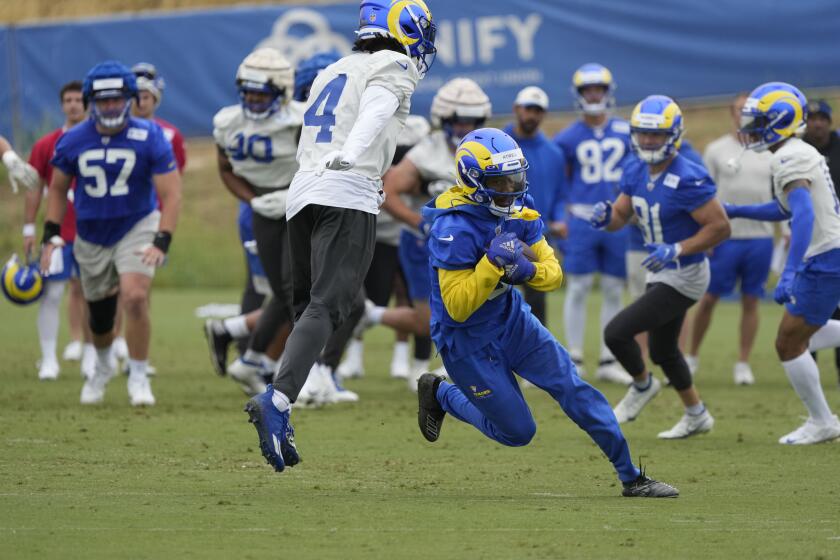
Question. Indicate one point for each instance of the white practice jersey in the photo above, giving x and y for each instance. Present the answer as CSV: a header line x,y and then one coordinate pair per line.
x,y
742,177
435,161
796,160
263,152
332,111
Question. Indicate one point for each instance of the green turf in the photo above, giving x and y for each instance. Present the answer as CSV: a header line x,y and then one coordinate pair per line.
x,y
185,479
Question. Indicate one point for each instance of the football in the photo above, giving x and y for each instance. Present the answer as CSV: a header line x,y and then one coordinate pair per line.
x,y
528,253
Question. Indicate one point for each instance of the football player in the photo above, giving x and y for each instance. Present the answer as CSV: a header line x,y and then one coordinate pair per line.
x,y
49,310
119,163
482,327
257,143
595,147
356,109
674,202
151,85
809,286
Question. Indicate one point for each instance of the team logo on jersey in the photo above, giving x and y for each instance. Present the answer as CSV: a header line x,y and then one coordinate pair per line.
x,y
671,181
139,134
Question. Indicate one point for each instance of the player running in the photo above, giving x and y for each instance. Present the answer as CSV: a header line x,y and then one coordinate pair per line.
x,y
810,284
674,201
481,325
119,163
595,147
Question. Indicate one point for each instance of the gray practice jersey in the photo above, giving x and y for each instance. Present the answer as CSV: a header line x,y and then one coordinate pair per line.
x,y
263,152
794,161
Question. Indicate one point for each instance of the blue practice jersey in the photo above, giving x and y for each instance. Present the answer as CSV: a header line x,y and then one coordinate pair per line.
x,y
636,239
664,206
460,234
594,157
546,172
114,188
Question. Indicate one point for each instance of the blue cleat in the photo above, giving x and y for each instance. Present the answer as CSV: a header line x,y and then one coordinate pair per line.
x,y
274,428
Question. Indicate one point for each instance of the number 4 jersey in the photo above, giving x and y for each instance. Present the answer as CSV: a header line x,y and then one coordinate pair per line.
x,y
114,187
332,111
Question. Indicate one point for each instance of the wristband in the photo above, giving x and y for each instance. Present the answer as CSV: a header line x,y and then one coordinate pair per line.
x,y
29,230
162,241
51,229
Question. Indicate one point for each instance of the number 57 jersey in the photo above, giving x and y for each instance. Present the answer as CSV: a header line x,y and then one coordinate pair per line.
x,y
114,176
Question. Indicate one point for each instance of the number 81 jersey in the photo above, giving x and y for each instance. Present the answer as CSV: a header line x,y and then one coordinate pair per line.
x,y
261,151
333,108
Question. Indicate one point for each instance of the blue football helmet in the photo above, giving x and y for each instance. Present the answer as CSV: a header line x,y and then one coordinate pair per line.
x,y
407,21
773,112
149,80
593,74
108,80
21,284
657,114
307,70
488,160
264,71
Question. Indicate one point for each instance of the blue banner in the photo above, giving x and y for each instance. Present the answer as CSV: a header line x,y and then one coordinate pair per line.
x,y
681,48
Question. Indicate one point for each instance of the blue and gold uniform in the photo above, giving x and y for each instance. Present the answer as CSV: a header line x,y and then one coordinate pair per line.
x,y
481,325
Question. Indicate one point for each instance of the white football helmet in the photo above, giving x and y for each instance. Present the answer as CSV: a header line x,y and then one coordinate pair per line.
x,y
460,99
265,71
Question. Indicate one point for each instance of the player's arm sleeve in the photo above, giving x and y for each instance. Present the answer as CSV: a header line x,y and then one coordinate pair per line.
x,y
801,225
62,158
464,291
549,275
377,106
768,212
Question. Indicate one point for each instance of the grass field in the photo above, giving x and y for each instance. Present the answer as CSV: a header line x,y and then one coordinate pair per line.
x,y
185,479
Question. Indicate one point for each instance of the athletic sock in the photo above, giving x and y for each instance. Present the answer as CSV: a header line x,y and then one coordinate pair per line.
x,y
643,386
269,364
375,313
253,357
103,356
138,368
237,327
805,378
695,409
281,401
400,355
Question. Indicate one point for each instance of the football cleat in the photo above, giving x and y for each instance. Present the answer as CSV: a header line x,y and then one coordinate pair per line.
x,y
635,400
140,391
48,371
93,391
275,431
430,414
743,374
217,344
352,366
611,371
689,425
313,392
248,375
334,392
644,487
810,432
73,351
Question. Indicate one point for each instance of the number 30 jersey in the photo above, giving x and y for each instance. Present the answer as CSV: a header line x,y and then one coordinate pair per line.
x,y
261,151
595,158
797,160
114,186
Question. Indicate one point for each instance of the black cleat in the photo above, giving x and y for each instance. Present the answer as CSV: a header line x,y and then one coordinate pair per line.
x,y
430,414
218,345
644,487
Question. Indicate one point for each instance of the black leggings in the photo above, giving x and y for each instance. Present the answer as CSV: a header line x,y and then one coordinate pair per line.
x,y
273,248
660,311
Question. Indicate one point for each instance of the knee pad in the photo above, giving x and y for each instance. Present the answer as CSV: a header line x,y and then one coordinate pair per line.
x,y
102,314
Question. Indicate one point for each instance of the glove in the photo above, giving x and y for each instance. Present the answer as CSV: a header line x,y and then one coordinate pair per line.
x,y
271,205
504,249
601,215
782,293
660,255
20,172
519,272
337,161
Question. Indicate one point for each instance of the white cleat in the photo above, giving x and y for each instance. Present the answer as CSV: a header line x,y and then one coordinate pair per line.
x,y
352,366
93,391
248,376
400,369
48,371
335,392
693,363
810,432
140,391
689,425
312,394
635,400
73,351
743,374
611,371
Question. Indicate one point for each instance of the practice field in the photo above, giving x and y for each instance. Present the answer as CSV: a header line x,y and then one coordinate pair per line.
x,y
185,479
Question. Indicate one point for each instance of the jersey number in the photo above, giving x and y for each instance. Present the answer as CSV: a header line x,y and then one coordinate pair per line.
x,y
90,167
326,102
599,160
257,147
648,219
